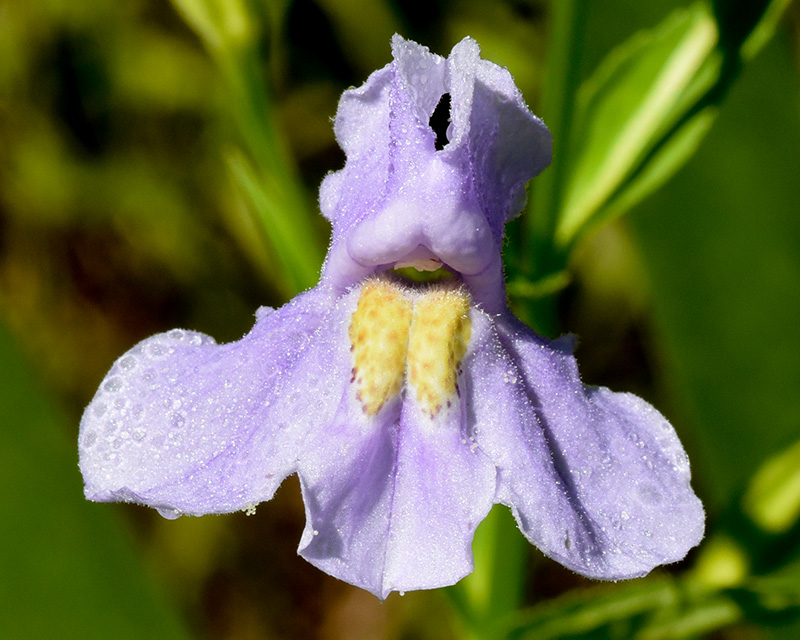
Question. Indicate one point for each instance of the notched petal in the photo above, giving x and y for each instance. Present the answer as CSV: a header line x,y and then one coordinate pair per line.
x,y
397,192
392,501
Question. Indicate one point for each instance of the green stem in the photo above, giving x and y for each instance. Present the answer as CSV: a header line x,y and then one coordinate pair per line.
x,y
495,589
543,261
558,98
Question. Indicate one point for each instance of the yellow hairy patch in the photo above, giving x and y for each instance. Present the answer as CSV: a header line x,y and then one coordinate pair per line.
x,y
440,330
378,337
397,333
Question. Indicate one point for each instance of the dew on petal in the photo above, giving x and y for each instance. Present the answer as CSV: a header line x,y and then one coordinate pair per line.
x,y
263,312
649,494
113,385
128,362
156,350
177,420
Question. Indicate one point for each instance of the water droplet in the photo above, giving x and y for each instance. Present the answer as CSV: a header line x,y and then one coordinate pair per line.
x,y
176,334
113,385
99,409
89,438
649,494
263,312
177,420
128,362
156,350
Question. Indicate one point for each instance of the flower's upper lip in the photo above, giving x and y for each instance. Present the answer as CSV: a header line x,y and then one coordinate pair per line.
x,y
398,199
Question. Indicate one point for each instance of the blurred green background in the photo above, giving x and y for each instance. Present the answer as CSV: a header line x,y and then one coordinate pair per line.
x,y
158,168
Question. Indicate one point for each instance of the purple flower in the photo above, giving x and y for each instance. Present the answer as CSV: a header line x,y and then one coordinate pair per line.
x,y
406,410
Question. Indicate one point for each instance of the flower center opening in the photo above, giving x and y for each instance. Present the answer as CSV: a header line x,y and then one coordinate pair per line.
x,y
417,336
440,121
422,272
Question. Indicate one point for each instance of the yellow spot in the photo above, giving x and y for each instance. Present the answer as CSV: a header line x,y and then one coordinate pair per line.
x,y
440,331
379,335
397,333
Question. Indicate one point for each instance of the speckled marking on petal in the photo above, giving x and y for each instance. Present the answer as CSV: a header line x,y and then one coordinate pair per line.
x,y
440,331
378,337
401,334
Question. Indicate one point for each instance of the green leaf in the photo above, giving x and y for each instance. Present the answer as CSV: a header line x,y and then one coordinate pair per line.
x,y
68,566
262,164
631,102
581,612
721,249
709,615
773,498
647,108
267,202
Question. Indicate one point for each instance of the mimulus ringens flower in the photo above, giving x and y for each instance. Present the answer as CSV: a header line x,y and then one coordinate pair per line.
x,y
406,410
